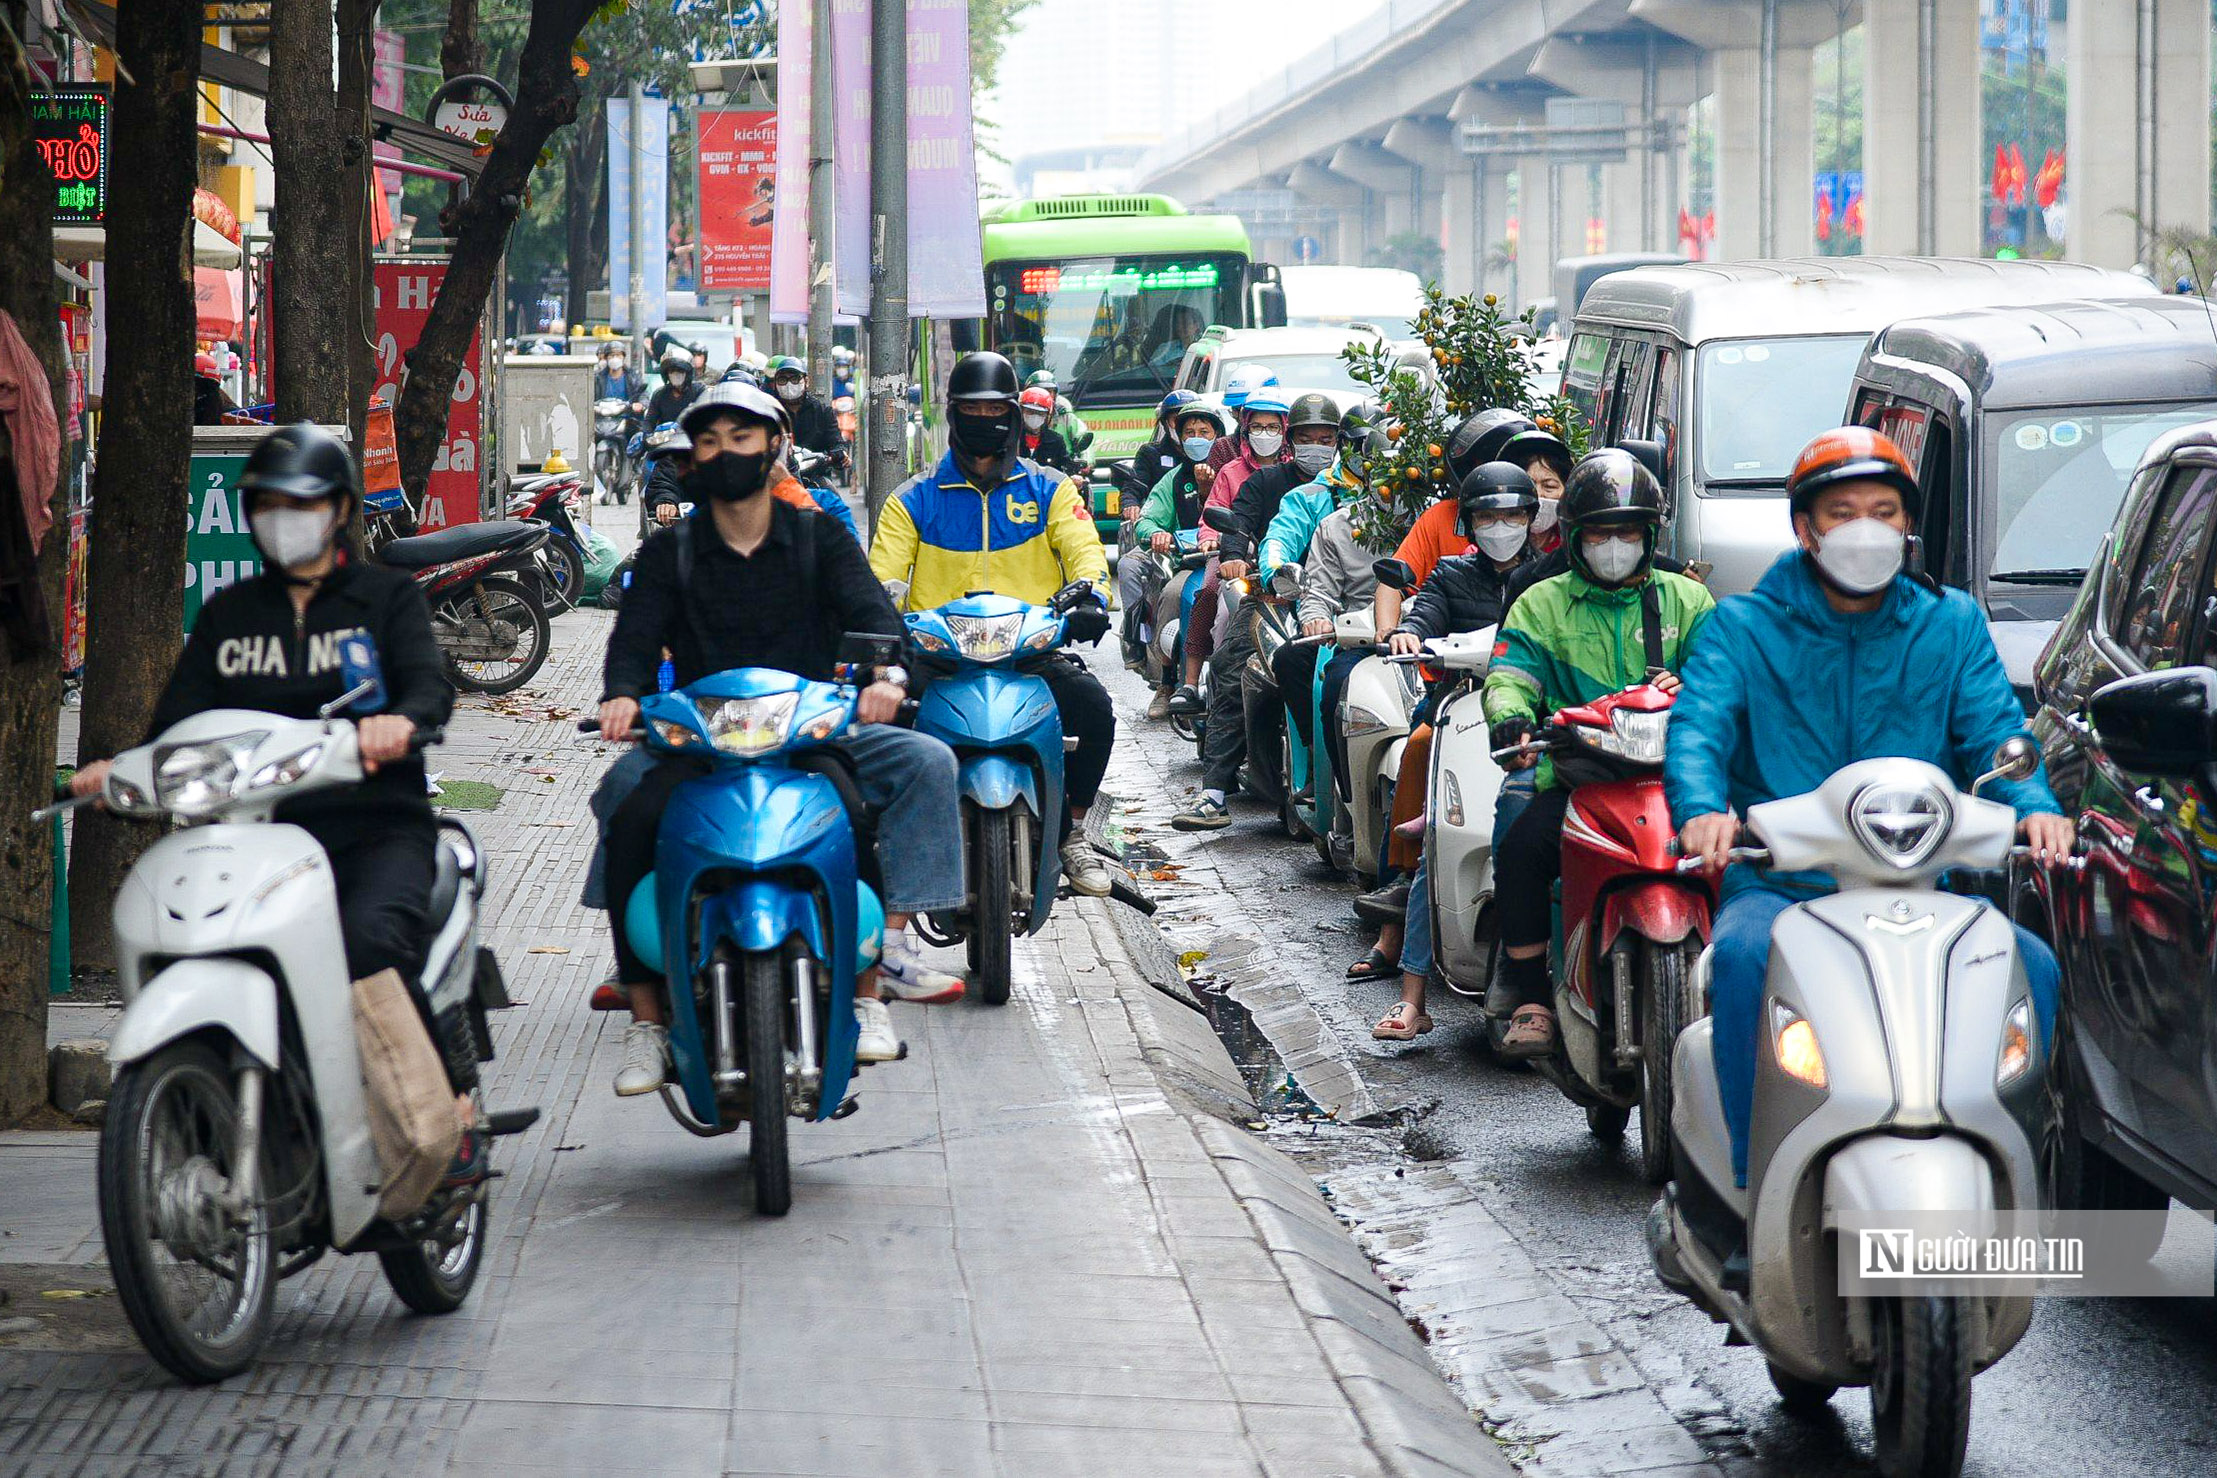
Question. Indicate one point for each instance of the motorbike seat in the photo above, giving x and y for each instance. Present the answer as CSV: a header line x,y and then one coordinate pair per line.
x,y
460,542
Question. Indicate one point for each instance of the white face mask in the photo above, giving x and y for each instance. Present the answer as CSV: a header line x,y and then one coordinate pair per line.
x,y
791,389
1312,460
291,537
1862,556
1035,420
1544,516
1500,540
1265,444
1614,561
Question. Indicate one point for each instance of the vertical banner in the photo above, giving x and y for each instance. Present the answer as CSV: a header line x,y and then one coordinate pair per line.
x,y
388,89
850,155
738,197
789,227
404,291
652,196
946,264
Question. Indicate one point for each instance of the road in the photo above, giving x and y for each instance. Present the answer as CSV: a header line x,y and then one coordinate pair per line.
x,y
2095,1387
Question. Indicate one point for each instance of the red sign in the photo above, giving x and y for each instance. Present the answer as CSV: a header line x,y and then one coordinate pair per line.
x,y
738,196
405,291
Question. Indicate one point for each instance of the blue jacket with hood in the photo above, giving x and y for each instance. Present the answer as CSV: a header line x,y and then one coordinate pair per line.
x,y
1781,690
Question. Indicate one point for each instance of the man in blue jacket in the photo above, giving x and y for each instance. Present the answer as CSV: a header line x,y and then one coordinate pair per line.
x,y
1845,657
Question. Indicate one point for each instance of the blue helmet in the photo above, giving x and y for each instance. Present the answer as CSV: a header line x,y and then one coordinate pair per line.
x,y
1172,403
1244,381
1269,401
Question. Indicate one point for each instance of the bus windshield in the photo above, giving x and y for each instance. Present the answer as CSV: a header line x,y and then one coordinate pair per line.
x,y
1111,328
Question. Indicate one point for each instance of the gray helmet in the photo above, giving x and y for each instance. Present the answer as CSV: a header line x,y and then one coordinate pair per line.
x,y
1312,409
747,401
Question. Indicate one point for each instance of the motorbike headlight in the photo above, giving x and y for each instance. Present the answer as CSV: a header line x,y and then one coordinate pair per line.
x,y
2016,1045
985,638
1795,1041
1901,825
1633,736
287,768
195,778
748,725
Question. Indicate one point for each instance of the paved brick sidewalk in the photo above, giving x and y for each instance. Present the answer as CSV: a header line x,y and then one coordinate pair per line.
x,y
1040,1248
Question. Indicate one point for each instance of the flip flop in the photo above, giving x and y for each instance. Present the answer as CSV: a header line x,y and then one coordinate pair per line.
x,y
1374,966
1404,1023
1531,1033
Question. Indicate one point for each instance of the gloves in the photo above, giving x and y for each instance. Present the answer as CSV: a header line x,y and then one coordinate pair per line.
x,y
1088,623
1509,732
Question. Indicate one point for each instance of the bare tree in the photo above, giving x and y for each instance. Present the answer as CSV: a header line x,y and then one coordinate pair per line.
x,y
135,563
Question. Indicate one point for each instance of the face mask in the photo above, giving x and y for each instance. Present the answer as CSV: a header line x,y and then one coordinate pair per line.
x,y
1035,420
981,436
1544,516
1862,556
1500,540
791,389
291,536
1312,460
1613,561
1265,444
1197,448
675,378
730,477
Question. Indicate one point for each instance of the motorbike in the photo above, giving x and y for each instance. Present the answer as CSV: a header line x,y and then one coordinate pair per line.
x,y
1154,631
850,422
761,909
1321,806
1898,1070
614,466
1628,922
488,595
1465,790
236,1149
645,448
1270,738
553,499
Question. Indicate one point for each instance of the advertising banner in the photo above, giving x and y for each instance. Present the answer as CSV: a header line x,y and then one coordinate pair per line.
x,y
404,291
789,227
738,188
652,197
850,152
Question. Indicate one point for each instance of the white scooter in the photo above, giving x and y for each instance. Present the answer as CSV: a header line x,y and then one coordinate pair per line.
x,y
1466,788
1374,719
236,1149
1899,1069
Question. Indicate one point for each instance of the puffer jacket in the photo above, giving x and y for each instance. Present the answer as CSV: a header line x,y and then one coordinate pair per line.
x,y
1466,593
1336,571
1302,512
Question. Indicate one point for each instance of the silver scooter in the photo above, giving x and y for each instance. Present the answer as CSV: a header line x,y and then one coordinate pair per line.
x,y
1899,1069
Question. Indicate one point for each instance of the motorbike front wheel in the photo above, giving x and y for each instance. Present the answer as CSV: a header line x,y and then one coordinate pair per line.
x,y
1921,1385
1665,970
496,610
990,926
435,1275
197,1284
763,984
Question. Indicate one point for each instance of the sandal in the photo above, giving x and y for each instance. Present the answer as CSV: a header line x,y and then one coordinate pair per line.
x,y
1404,1023
1531,1033
1374,966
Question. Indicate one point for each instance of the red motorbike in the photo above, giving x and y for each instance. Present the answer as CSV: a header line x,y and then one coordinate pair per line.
x,y
554,499
1628,926
487,589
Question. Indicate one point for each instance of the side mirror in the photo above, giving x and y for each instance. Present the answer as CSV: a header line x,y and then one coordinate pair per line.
x,y
1219,518
1394,574
1085,443
2159,723
2016,759
1285,581
1648,454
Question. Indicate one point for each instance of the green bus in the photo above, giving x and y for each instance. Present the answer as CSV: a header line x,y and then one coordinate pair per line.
x,y
1107,291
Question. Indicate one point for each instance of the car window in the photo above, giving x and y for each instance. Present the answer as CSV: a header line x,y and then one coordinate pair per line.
x,y
1637,387
2166,586
1196,376
1582,374
1664,417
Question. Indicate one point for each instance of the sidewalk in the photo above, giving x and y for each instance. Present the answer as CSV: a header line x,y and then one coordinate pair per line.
x,y
1043,1246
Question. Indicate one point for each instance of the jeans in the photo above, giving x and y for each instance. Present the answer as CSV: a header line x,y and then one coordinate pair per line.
x,y
1416,928
907,778
1517,789
1740,962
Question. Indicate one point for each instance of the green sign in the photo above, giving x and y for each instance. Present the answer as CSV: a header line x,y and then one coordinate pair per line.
x,y
219,548
71,126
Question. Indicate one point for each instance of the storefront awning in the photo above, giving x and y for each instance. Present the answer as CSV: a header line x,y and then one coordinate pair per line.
x,y
90,244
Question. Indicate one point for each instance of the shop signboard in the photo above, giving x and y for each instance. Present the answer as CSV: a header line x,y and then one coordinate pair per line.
x,y
737,150
405,288
219,547
70,125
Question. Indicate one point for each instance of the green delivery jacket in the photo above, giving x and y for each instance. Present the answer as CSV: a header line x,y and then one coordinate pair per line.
x,y
1567,641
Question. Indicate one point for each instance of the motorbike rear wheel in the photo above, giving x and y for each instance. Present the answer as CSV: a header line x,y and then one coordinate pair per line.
x,y
762,983
565,572
1664,973
1921,1385
495,599
434,1276
166,1151
990,928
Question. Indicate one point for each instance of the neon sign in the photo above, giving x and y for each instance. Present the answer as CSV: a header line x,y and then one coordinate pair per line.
x,y
70,125
1117,282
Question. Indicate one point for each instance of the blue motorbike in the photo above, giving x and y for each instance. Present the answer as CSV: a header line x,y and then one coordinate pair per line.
x,y
986,701
757,913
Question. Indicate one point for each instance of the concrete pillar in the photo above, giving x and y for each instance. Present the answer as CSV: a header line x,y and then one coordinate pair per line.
x,y
1654,76
1894,149
1350,243
1392,181
1460,246
2112,135
1536,248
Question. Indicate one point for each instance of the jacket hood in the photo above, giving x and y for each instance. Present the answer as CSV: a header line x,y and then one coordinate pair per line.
x,y
1793,585
1343,485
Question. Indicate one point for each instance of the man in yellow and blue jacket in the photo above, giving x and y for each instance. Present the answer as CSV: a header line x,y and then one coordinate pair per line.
x,y
985,519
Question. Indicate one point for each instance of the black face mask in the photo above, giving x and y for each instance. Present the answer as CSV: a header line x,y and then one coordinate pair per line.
x,y
982,437
730,477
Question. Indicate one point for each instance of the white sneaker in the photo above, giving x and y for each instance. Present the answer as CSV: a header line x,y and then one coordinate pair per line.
x,y
646,1059
903,970
1085,868
876,1042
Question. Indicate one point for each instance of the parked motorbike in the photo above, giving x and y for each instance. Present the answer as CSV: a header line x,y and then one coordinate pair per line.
x,y
760,910
553,499
236,1149
1465,791
615,467
1899,1069
488,598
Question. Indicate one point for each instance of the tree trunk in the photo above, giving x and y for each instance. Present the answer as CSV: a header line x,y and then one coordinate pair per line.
x,y
461,51
30,682
135,565
356,55
312,254
582,205
546,98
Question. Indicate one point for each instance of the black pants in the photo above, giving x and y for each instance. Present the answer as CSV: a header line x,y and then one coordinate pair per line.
x,y
1525,870
1295,670
1226,740
1087,716
630,851
382,867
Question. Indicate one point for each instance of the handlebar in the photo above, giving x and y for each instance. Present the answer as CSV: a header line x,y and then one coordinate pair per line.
x,y
1760,856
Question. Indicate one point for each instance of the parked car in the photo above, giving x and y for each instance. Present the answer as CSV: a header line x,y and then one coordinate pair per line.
x,y
2135,926
1733,366
2025,424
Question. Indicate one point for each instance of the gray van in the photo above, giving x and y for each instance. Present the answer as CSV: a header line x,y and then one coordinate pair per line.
x,y
2025,425
1734,366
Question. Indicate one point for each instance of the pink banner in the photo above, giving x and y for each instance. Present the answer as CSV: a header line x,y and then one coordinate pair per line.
x,y
946,263
850,158
789,227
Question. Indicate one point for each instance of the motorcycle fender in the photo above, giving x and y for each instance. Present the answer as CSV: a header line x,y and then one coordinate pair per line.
x,y
997,781
1391,764
1665,912
763,914
194,995
1883,1174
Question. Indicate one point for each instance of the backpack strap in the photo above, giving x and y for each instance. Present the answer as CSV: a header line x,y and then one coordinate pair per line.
x,y
1651,624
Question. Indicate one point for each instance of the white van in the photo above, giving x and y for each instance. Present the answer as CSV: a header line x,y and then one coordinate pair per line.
x,y
1734,366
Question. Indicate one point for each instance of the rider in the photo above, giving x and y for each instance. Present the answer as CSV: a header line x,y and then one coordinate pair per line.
x,y
986,519
1612,620
1042,443
842,371
755,581
614,379
668,485
1312,442
1067,423
679,388
269,643
1437,532
1173,508
815,424
1162,454
1838,654
1260,439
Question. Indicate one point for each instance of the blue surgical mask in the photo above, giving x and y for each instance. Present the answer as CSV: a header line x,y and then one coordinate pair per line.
x,y
1197,448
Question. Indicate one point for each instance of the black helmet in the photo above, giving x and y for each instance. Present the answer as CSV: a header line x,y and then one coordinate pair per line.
x,y
1495,487
302,461
1480,437
674,358
983,376
1523,446
1312,409
1610,489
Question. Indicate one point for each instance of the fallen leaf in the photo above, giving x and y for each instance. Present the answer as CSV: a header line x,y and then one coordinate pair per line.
x,y
548,949
1191,958
61,1295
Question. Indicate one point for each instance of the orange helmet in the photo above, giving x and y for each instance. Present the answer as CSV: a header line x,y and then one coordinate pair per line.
x,y
1038,398
1850,454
